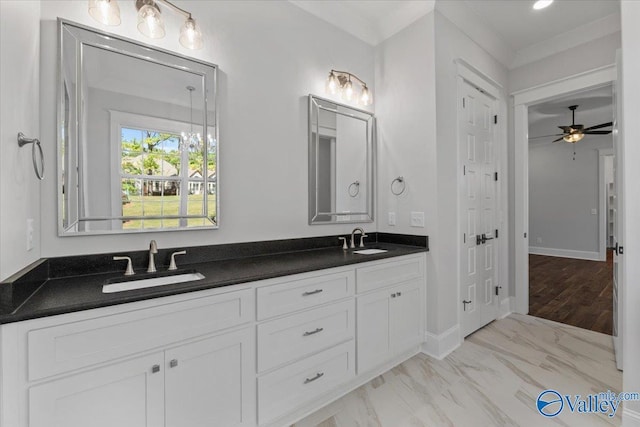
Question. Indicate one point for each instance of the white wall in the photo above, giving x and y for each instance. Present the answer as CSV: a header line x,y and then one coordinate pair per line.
x,y
19,112
405,109
452,44
631,159
562,193
271,55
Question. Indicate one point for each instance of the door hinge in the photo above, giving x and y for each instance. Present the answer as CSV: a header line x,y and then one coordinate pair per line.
x,y
496,235
525,235
495,119
463,103
495,176
464,237
464,169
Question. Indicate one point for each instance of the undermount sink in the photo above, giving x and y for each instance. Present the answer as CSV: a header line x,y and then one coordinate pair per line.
x,y
370,251
150,282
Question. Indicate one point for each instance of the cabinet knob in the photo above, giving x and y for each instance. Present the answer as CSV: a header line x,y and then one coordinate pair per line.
x,y
173,363
155,369
399,294
393,295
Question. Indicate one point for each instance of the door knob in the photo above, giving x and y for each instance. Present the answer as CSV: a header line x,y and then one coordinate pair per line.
x,y
464,303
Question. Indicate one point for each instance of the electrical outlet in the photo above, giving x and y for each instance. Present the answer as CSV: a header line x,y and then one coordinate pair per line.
x,y
417,219
594,211
29,234
538,239
392,218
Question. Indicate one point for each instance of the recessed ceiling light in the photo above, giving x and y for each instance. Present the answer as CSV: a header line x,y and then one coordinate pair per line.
x,y
541,4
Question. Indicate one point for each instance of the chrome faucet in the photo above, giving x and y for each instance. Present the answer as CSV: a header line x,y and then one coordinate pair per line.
x,y
353,237
153,249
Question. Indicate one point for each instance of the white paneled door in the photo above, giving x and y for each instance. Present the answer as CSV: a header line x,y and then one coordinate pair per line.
x,y
479,287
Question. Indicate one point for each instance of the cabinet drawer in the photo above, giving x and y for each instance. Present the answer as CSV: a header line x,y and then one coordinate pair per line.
x,y
293,295
299,383
288,338
69,346
395,271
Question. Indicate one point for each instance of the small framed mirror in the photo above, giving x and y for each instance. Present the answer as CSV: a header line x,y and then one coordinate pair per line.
x,y
137,137
341,163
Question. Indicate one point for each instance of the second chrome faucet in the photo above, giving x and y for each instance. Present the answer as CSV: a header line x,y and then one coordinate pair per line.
x,y
352,243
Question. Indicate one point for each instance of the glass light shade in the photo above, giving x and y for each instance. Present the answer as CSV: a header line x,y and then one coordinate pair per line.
x,y
574,137
106,12
150,21
541,4
190,35
348,90
332,83
365,96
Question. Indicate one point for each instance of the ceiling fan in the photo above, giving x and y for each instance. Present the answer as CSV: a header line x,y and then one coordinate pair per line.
x,y
574,132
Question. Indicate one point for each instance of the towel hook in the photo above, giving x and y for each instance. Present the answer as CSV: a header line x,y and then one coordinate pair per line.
x,y
400,180
23,140
356,185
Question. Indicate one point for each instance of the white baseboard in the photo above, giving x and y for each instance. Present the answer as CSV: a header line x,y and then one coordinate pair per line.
x,y
506,307
439,346
630,418
565,253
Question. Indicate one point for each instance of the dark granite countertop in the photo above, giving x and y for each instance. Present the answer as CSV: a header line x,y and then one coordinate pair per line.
x,y
60,295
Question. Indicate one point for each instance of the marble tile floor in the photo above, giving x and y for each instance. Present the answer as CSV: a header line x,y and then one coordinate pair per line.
x,y
492,379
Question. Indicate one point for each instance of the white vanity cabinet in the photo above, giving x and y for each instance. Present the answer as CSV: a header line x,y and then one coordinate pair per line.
x,y
390,310
264,353
185,360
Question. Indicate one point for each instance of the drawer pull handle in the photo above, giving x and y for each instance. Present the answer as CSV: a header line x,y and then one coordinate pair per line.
x,y
310,380
306,334
306,294
173,363
155,369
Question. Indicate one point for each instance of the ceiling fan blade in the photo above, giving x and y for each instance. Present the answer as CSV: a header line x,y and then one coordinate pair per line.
x,y
603,125
597,132
556,140
546,136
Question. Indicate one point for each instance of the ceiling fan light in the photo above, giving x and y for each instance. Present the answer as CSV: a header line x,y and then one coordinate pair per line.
x,y
150,21
573,137
106,12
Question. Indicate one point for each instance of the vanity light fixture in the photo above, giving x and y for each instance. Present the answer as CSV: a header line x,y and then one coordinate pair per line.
x,y
106,12
541,4
191,141
150,22
340,82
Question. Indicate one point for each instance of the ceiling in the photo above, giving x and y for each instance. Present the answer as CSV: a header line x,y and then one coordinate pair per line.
x,y
595,106
514,21
520,26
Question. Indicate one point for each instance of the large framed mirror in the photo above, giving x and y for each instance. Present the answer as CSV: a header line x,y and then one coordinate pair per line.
x,y
341,163
137,137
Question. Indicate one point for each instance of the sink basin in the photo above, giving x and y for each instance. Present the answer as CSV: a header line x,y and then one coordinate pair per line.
x,y
370,251
150,282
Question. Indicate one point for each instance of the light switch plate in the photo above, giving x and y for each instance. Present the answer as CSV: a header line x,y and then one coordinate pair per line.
x,y
392,218
594,211
417,219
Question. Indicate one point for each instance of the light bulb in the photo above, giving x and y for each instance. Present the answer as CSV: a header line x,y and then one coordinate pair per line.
x,y
106,12
190,35
365,97
332,83
541,4
150,21
348,90
574,137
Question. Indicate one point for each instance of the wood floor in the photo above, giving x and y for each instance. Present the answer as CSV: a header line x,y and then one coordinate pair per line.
x,y
493,379
571,291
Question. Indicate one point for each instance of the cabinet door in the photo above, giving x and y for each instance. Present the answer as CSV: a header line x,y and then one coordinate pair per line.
x,y
405,319
212,382
127,394
373,330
